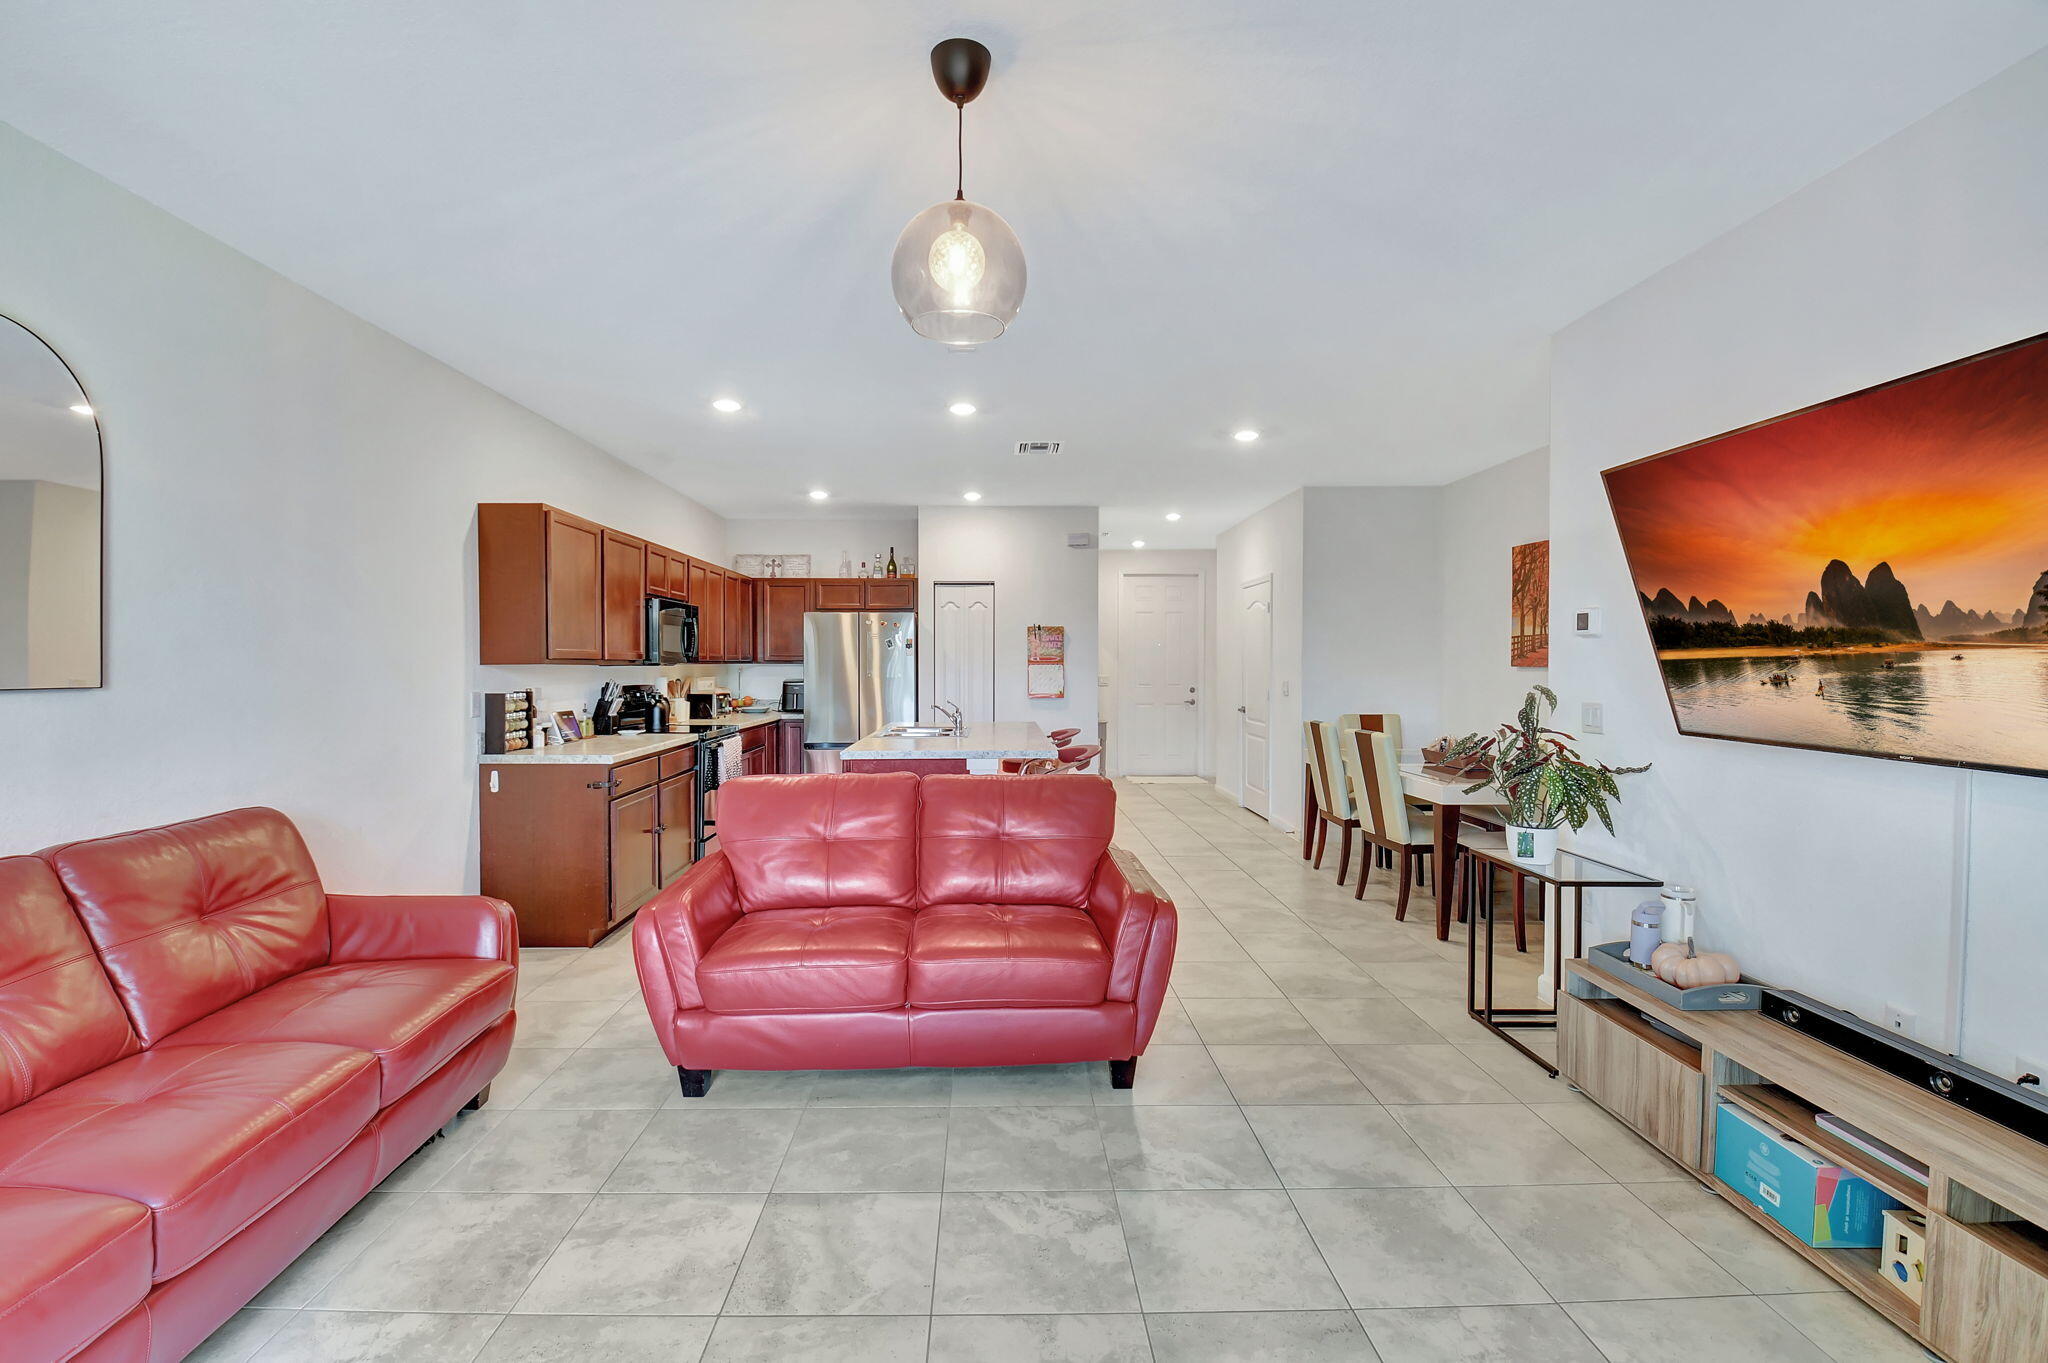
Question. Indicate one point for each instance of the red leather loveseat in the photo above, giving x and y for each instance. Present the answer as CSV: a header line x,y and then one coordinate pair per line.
x,y
861,922
204,1061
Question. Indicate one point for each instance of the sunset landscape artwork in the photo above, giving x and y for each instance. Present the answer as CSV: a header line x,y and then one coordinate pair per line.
x,y
1868,576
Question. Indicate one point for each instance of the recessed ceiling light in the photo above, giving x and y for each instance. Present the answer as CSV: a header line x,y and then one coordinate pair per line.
x,y
819,494
1245,436
81,409
962,409
725,404
1137,544
970,496
1173,515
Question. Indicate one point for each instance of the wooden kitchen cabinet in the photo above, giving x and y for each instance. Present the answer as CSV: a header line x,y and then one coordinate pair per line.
x,y
789,747
889,594
756,751
739,618
709,583
779,631
836,593
576,848
625,598
540,575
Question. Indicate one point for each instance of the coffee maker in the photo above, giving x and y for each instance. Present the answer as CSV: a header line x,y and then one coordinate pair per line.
x,y
642,709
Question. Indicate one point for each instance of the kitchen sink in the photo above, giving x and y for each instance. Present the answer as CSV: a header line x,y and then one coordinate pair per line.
x,y
917,731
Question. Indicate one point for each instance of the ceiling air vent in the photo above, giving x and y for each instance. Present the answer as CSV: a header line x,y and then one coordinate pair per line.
x,y
1038,447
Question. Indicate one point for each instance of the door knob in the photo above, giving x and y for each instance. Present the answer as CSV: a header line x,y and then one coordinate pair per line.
x,y
1240,709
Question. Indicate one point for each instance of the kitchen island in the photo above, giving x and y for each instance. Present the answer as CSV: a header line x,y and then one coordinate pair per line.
x,y
978,748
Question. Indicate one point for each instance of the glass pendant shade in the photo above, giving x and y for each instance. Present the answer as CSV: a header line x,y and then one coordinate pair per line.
x,y
958,274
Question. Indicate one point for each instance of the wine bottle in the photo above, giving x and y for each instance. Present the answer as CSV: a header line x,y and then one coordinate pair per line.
x,y
892,560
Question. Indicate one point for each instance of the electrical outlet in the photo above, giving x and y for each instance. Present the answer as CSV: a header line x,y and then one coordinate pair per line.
x,y
1897,1019
1593,717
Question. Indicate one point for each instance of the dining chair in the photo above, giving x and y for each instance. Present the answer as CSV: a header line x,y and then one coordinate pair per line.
x,y
1384,818
1332,793
1390,725
1070,759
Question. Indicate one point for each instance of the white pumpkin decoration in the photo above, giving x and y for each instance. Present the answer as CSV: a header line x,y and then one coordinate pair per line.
x,y
1688,967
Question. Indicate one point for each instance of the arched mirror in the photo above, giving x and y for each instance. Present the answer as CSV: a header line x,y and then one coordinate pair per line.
x,y
50,477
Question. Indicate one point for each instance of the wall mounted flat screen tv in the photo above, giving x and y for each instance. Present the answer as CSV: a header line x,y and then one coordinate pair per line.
x,y
1869,575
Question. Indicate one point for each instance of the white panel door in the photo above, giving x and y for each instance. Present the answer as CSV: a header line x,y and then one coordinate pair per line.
x,y
1254,717
964,648
1159,642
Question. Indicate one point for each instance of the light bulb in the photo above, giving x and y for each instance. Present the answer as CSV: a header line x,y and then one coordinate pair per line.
x,y
1173,515
819,494
970,496
1245,436
957,262
962,409
725,404
1137,544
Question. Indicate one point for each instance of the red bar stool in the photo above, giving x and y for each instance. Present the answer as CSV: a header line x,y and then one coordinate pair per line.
x,y
1070,759
1062,737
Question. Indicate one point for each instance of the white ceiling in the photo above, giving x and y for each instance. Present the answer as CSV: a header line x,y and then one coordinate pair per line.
x,y
1350,223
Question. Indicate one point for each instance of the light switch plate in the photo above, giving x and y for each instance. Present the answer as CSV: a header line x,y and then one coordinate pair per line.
x,y
1593,717
1286,688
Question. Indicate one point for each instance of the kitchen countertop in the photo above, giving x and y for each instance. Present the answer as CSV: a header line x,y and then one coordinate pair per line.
x,y
987,742
609,750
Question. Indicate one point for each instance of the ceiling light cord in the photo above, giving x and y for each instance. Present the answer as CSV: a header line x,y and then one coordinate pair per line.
x,y
960,153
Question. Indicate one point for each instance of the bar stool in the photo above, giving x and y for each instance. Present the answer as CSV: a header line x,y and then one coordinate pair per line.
x,y
1062,737
1070,759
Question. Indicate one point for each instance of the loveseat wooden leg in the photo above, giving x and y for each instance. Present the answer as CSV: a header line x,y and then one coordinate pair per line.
x,y
483,1096
1123,1073
695,1082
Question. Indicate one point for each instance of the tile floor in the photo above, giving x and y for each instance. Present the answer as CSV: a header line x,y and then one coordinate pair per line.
x,y
1322,1159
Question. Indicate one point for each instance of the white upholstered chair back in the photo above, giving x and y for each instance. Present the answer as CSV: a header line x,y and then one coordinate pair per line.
x,y
1370,761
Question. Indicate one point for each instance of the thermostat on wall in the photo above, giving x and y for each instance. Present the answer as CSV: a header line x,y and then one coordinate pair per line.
x,y
1586,622
1080,539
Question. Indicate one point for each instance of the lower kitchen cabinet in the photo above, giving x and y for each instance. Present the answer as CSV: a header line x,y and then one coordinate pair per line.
x,y
757,751
576,848
789,747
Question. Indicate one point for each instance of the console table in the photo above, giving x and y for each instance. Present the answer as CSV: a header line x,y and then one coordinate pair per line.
x,y
1985,1299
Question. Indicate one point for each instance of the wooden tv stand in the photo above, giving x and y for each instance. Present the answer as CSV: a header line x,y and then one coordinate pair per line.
x,y
1986,1295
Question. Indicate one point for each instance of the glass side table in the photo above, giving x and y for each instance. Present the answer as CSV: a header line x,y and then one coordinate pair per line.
x,y
1481,859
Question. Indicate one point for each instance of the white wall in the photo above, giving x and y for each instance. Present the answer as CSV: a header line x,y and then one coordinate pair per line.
x,y
1039,581
1484,517
1372,625
1114,563
824,538
1267,543
291,546
1843,876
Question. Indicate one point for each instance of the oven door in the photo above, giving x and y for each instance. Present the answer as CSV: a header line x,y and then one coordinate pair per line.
x,y
671,631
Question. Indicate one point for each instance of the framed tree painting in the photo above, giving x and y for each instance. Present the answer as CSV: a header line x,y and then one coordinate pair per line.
x,y
1529,604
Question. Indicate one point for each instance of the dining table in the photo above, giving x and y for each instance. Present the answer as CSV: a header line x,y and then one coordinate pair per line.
x,y
1448,798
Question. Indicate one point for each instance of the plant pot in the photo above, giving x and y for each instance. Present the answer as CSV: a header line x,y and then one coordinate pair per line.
x,y
1533,846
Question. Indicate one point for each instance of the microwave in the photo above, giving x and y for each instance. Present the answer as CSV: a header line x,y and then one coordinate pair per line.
x,y
671,631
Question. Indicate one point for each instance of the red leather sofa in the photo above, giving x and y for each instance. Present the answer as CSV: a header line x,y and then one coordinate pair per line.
x,y
204,1061
861,922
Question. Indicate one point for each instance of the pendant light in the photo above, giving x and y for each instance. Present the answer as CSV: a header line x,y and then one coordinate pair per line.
x,y
958,271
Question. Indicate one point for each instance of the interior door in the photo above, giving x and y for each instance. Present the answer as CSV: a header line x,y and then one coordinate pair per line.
x,y
1255,715
1159,642
964,648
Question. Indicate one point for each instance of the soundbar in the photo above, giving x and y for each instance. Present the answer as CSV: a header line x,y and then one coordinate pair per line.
x,y
2017,1107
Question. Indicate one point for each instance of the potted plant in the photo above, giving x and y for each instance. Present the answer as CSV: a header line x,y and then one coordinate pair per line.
x,y
1546,782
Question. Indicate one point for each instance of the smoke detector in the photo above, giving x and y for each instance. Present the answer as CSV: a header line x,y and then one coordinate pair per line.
x,y
1038,447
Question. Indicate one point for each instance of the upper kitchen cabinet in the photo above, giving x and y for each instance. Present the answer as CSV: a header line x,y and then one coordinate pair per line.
x,y
668,573
835,594
625,598
541,585
779,634
889,594
739,618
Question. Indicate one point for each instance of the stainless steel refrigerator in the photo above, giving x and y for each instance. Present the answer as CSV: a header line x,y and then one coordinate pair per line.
x,y
860,674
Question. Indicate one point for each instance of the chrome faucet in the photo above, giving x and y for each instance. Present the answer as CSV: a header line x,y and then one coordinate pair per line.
x,y
952,712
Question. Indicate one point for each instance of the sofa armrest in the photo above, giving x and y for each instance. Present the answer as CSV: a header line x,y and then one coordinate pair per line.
x,y
675,930
1123,902
417,927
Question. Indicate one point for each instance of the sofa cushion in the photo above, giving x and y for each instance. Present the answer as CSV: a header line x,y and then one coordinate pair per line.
x,y
58,1014
207,1137
985,955
192,916
808,961
1013,839
75,1263
411,1015
800,842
